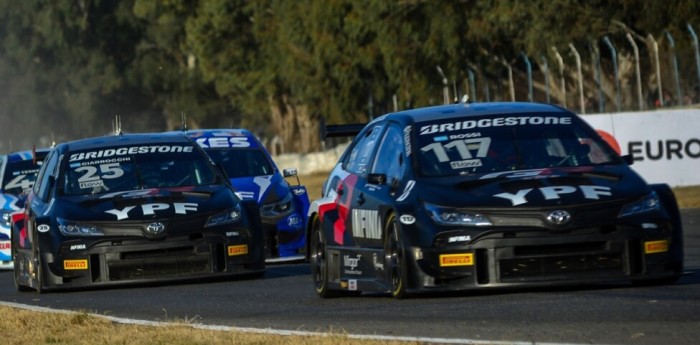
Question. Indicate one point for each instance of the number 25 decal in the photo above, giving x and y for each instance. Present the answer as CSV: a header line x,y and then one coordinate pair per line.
x,y
463,147
108,171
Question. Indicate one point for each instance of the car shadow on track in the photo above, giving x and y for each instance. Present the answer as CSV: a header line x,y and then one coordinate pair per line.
x,y
691,276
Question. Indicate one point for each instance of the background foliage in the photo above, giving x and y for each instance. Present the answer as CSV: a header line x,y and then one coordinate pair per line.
x,y
282,68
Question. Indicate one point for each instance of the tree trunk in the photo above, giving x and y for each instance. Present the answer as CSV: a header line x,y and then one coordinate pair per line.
x,y
296,129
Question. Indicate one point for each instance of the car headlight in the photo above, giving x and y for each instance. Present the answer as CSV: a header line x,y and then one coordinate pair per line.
x,y
70,228
6,217
648,203
229,216
279,208
454,216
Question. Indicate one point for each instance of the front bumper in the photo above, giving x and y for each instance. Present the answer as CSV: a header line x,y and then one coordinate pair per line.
x,y
540,258
115,261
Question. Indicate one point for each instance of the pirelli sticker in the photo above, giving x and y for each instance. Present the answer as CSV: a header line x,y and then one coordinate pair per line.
x,y
655,247
75,264
453,260
241,249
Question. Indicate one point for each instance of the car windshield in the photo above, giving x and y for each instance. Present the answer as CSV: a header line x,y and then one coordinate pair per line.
x,y
19,176
136,167
493,144
241,162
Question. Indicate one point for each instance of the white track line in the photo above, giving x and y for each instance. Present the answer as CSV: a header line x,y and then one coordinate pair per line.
x,y
282,332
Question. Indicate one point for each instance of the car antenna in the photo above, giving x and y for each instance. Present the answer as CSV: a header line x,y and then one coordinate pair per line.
x,y
117,125
184,121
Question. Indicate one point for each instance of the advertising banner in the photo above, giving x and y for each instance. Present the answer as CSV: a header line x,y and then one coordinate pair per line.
x,y
665,144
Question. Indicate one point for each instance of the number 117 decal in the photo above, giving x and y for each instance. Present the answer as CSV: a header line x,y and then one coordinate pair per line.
x,y
465,148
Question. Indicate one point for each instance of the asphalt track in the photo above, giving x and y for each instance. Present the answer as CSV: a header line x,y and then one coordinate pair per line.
x,y
284,299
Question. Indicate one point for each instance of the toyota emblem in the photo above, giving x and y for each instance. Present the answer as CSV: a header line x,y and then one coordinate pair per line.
x,y
559,217
156,228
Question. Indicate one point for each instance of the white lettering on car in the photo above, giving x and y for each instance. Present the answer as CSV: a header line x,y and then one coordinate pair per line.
x,y
494,122
406,190
517,198
365,224
223,142
121,214
556,192
75,157
151,209
514,174
464,147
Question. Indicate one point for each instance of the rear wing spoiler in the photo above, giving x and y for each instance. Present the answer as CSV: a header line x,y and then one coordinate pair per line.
x,y
38,155
334,131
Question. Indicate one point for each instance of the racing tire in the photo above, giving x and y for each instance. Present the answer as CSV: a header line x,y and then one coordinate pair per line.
x,y
668,201
16,270
319,263
395,258
38,273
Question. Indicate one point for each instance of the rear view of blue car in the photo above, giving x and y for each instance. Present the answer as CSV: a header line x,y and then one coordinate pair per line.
x,y
17,175
255,176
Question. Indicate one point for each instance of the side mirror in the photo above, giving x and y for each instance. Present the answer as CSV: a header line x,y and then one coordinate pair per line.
x,y
628,159
290,172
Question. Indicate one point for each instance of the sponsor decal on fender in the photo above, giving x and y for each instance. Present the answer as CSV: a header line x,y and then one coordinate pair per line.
x,y
4,245
655,247
452,260
81,264
241,249
406,190
407,219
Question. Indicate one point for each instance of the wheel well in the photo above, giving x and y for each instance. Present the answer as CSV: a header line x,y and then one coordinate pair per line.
x,y
309,226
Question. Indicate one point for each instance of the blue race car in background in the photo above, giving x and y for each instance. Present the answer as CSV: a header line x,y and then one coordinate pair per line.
x,y
17,175
255,176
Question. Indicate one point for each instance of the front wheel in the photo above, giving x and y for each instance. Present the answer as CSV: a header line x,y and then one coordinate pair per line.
x,y
16,268
319,263
38,274
395,258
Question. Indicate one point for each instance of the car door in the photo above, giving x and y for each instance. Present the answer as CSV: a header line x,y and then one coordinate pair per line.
x,y
356,165
376,188
39,202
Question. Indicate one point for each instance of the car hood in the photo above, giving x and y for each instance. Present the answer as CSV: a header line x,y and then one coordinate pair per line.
x,y
147,204
262,189
535,188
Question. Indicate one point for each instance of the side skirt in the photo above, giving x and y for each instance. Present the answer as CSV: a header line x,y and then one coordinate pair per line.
x,y
357,269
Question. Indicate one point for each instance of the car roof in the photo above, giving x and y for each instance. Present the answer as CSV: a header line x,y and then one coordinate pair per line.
x,y
27,155
126,139
436,113
208,131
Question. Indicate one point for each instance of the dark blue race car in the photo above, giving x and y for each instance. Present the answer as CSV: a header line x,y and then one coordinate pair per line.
x,y
132,208
492,195
255,176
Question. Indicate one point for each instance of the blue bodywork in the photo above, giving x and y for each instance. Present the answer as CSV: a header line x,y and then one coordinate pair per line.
x,y
17,175
255,176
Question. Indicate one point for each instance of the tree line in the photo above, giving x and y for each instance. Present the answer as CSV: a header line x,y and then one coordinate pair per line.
x,y
283,68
